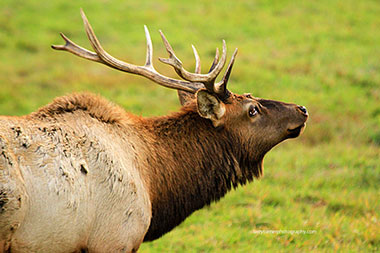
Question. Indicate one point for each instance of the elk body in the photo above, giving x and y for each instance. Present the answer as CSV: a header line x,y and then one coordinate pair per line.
x,y
83,175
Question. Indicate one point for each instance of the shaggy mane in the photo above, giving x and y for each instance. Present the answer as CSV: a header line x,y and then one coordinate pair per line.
x,y
96,106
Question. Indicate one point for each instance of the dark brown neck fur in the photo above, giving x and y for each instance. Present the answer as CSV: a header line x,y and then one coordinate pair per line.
x,y
192,164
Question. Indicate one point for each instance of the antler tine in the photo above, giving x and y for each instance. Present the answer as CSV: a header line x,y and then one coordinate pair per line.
x,y
221,87
197,60
216,59
107,58
219,66
77,50
172,60
193,77
149,49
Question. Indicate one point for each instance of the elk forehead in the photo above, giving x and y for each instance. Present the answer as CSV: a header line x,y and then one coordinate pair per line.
x,y
241,101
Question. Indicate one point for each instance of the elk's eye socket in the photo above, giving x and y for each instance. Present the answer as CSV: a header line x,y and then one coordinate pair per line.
x,y
252,111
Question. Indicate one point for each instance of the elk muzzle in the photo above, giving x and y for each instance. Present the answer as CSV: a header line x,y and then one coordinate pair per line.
x,y
303,115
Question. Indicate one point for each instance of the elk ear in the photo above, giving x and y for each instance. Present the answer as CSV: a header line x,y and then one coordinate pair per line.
x,y
210,107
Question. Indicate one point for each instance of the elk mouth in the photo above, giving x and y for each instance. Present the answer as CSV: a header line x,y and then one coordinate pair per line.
x,y
295,132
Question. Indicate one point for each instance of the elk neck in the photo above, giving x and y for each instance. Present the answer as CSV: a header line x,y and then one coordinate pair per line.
x,y
189,164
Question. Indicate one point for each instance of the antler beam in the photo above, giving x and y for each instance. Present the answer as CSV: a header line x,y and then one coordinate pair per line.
x,y
192,80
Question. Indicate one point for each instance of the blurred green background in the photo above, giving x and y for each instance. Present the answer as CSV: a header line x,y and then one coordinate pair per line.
x,y
322,54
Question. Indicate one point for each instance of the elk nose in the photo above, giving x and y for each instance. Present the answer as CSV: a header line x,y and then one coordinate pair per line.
x,y
302,109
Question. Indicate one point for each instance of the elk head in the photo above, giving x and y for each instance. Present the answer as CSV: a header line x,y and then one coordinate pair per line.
x,y
260,122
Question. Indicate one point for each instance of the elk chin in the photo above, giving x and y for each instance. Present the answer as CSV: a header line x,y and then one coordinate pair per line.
x,y
296,131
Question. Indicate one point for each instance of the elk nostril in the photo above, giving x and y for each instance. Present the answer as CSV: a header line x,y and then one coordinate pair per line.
x,y
302,109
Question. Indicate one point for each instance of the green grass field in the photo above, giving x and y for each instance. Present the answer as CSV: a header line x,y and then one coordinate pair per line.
x,y
322,54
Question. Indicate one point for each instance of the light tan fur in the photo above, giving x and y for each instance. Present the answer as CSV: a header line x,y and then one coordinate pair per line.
x,y
70,181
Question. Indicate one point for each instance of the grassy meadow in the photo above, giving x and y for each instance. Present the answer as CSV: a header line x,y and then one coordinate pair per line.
x,y
323,54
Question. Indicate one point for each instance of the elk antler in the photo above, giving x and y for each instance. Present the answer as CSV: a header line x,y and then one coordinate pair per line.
x,y
192,80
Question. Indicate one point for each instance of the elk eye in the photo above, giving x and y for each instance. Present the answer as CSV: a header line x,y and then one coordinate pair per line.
x,y
252,111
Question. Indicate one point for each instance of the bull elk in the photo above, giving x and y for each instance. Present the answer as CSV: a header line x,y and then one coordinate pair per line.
x,y
82,175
